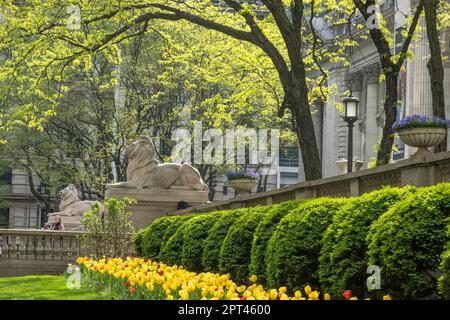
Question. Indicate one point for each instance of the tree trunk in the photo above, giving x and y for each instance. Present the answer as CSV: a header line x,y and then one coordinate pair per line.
x,y
390,112
304,127
435,66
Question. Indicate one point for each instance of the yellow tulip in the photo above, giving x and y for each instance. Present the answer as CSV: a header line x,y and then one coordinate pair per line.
x,y
308,290
253,278
298,295
273,294
387,297
326,297
282,290
184,295
314,295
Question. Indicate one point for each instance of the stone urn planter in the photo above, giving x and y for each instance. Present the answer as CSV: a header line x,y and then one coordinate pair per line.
x,y
243,186
422,138
242,181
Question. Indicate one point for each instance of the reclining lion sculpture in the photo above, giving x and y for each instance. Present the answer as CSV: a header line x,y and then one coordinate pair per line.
x,y
72,208
145,171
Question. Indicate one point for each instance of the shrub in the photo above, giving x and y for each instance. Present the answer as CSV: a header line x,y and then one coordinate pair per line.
x,y
262,235
137,241
171,249
152,236
216,235
408,240
236,247
293,250
444,280
343,259
196,231
108,233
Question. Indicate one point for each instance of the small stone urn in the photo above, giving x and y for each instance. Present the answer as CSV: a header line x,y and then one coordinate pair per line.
x,y
243,186
243,181
422,138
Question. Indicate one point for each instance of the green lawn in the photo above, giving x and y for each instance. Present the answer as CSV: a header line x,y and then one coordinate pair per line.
x,y
43,288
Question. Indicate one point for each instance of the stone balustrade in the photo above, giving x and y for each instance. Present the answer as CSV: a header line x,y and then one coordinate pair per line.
x,y
417,171
28,251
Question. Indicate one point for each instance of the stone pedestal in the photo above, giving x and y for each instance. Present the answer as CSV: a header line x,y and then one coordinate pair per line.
x,y
154,203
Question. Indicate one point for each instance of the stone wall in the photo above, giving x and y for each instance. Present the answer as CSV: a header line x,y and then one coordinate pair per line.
x,y
417,171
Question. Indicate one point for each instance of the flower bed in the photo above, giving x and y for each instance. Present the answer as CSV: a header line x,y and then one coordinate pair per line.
x,y
136,278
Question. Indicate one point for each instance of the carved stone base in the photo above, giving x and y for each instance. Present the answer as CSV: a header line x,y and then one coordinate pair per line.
x,y
154,203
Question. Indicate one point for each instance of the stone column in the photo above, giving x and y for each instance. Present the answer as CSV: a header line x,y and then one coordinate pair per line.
x,y
418,88
331,120
372,106
356,86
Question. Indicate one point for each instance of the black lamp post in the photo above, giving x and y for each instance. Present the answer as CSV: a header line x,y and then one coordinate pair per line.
x,y
351,115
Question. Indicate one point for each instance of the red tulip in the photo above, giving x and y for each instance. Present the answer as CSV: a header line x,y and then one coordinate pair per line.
x,y
127,283
243,298
347,294
132,290
161,272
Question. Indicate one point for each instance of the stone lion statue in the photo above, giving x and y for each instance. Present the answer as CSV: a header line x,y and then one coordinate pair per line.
x,y
71,206
145,171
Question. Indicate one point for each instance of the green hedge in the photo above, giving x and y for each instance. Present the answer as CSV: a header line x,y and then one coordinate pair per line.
x,y
444,280
152,236
237,245
171,249
196,231
293,250
407,242
216,235
343,259
262,235
137,241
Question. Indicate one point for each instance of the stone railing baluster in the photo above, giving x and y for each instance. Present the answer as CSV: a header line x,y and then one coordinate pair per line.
x,y
35,244
17,242
1,246
69,249
27,244
8,243
43,242
52,247
61,247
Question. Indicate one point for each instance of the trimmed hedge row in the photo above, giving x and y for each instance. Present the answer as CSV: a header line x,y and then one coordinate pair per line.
x,y
325,242
343,254
408,240
263,233
236,247
293,252
444,280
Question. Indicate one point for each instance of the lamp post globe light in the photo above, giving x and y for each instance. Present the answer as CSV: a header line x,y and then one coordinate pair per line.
x,y
350,116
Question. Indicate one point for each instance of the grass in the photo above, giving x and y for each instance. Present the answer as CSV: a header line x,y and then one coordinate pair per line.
x,y
43,288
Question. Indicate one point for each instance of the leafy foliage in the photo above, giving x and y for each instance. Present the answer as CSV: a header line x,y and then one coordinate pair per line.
x,y
263,233
172,243
343,259
194,237
444,280
406,242
216,235
236,247
293,250
153,235
108,233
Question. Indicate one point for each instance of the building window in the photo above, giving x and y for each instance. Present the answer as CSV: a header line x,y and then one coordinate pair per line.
x,y
288,178
4,218
225,190
5,181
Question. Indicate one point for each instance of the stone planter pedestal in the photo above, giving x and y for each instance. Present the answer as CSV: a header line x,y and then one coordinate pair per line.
x,y
243,186
422,138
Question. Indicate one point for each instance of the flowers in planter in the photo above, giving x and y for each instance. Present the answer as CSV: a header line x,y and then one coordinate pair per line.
x,y
242,174
420,121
